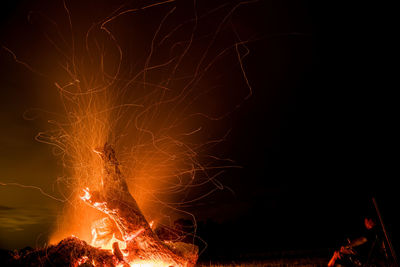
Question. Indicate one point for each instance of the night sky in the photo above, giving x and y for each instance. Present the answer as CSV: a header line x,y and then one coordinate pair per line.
x,y
316,140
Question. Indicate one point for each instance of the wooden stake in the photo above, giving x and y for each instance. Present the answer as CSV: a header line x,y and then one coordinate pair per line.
x,y
385,233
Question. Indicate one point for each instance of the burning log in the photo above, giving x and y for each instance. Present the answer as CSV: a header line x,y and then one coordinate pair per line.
x,y
142,244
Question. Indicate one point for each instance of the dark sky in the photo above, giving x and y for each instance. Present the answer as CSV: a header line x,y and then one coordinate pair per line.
x,y
316,140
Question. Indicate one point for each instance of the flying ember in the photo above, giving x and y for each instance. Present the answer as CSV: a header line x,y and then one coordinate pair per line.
x,y
134,126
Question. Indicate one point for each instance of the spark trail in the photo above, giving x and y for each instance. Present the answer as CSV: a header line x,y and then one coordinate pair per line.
x,y
151,104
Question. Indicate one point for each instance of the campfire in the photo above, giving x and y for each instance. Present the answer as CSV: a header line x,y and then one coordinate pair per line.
x,y
122,238
154,107
126,226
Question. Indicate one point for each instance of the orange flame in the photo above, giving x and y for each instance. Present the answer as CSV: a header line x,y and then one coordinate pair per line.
x,y
152,115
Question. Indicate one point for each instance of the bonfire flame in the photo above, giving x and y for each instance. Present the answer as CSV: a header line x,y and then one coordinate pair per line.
x,y
125,231
103,102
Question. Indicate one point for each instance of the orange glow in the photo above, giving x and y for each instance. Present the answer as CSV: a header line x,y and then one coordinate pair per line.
x,y
151,115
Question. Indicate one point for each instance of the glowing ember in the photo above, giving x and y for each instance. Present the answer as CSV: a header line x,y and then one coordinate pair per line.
x,y
87,195
82,260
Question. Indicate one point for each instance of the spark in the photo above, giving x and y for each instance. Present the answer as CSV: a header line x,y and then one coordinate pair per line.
x,y
26,65
146,117
33,187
